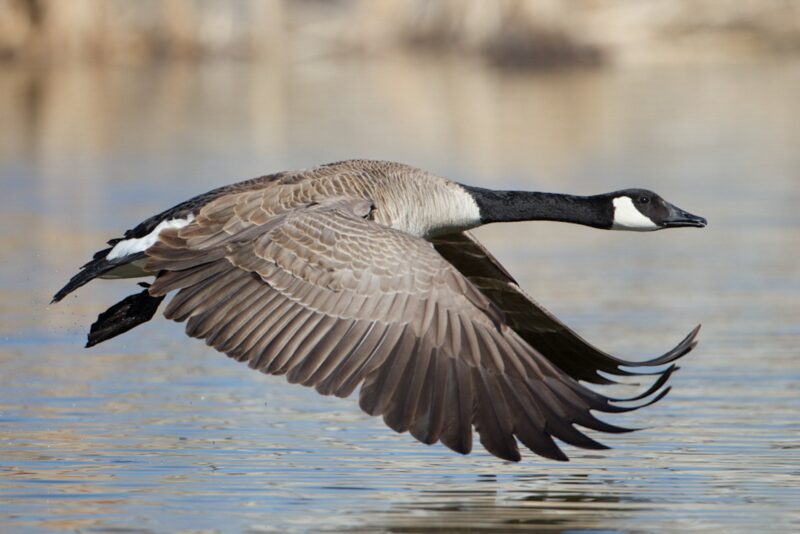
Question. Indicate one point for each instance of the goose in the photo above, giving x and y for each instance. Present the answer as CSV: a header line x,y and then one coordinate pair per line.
x,y
363,273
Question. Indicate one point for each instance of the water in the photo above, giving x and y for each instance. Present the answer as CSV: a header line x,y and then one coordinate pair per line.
x,y
155,432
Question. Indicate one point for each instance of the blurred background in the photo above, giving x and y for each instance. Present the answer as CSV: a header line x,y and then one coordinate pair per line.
x,y
112,110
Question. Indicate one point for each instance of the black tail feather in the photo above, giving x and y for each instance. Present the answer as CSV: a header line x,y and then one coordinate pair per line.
x,y
88,272
97,267
126,314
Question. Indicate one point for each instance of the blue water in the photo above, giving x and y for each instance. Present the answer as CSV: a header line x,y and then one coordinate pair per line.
x,y
156,432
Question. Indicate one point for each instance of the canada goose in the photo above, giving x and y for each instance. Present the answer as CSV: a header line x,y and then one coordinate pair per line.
x,y
363,272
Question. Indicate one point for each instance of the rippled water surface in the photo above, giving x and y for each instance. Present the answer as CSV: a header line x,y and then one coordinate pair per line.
x,y
155,432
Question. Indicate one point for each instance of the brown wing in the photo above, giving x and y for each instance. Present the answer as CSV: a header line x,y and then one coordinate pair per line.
x,y
333,300
538,327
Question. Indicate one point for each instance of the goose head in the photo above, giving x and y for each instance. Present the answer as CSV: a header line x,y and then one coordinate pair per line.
x,y
640,210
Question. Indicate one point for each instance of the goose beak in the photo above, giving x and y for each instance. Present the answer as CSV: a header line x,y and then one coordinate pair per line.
x,y
677,218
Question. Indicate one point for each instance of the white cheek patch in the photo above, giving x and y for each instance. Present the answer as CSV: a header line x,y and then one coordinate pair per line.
x,y
627,217
140,244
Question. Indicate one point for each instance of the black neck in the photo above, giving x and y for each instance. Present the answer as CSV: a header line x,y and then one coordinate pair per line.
x,y
510,206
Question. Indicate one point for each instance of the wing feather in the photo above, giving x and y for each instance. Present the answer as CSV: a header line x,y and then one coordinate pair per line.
x,y
459,402
493,420
334,301
428,424
538,327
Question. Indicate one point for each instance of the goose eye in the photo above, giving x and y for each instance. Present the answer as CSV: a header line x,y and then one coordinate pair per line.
x,y
644,200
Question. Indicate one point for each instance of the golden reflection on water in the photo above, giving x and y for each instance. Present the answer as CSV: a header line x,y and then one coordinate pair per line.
x,y
149,430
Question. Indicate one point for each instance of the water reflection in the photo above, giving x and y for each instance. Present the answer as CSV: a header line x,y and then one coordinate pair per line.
x,y
567,503
143,432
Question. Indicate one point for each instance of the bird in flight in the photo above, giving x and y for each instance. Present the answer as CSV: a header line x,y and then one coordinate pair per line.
x,y
363,272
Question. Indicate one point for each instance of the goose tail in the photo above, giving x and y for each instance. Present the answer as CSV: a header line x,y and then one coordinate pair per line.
x,y
101,267
88,272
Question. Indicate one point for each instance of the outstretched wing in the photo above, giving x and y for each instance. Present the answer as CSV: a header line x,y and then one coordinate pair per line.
x,y
333,300
538,327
